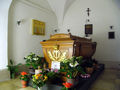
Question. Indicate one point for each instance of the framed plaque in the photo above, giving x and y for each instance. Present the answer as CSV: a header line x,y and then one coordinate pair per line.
x,y
88,28
38,27
111,35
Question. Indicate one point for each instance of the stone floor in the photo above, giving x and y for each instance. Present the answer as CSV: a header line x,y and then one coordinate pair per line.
x,y
109,80
13,85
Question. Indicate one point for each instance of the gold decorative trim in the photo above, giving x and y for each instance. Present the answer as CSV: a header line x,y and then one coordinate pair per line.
x,y
56,54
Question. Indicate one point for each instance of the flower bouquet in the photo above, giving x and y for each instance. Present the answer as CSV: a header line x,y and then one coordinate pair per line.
x,y
39,80
24,78
72,67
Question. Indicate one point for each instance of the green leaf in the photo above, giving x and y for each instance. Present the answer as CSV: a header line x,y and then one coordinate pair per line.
x,y
11,62
13,75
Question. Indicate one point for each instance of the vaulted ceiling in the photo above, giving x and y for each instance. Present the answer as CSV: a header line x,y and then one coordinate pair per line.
x,y
59,7
41,3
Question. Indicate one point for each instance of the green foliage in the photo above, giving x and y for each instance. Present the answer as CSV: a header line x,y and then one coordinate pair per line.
x,y
34,60
64,88
13,68
53,74
72,66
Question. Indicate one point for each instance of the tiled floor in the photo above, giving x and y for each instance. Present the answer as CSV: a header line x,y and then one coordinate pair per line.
x,y
109,80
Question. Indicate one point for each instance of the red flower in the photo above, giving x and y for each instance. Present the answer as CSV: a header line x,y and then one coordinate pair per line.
x,y
67,85
23,73
68,75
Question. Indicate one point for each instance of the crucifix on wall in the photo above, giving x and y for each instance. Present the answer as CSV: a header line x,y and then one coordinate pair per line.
x,y
88,27
88,11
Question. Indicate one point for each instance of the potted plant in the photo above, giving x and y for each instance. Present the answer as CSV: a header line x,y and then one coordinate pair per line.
x,y
33,61
72,68
39,80
13,69
24,78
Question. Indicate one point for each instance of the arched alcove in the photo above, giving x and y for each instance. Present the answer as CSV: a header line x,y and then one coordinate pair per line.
x,y
20,39
4,9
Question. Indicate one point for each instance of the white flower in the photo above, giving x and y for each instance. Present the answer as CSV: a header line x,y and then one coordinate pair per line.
x,y
71,64
35,59
29,57
74,65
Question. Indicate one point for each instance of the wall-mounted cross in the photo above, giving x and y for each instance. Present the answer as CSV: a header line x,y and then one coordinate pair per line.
x,y
88,11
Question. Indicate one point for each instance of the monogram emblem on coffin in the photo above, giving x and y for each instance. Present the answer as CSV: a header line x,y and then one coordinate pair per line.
x,y
56,54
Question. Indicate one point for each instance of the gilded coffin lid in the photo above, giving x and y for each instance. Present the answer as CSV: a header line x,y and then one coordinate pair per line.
x,y
59,38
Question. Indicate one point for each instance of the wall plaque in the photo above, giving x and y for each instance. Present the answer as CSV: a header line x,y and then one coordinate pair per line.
x,y
88,28
38,27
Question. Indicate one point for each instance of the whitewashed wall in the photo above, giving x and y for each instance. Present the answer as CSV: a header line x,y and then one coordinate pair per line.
x,y
21,40
104,13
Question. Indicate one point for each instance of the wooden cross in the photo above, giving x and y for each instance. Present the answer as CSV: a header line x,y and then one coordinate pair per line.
x,y
88,11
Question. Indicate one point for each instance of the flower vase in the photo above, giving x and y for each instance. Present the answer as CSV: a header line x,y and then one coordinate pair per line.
x,y
39,88
72,81
24,83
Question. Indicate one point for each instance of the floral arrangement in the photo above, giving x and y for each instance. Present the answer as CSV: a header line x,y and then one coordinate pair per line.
x,y
40,79
66,86
46,75
72,67
24,76
34,60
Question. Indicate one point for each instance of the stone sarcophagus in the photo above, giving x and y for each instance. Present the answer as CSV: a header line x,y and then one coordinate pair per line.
x,y
61,46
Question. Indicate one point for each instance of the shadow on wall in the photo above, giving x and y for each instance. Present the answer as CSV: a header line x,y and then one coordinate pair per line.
x,y
117,2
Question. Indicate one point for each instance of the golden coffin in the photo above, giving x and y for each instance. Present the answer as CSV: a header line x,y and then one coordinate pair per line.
x,y
66,46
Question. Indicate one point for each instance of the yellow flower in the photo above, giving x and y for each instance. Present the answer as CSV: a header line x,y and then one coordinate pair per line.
x,y
45,78
37,76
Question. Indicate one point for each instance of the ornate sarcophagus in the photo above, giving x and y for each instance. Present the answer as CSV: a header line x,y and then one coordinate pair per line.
x,y
61,46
